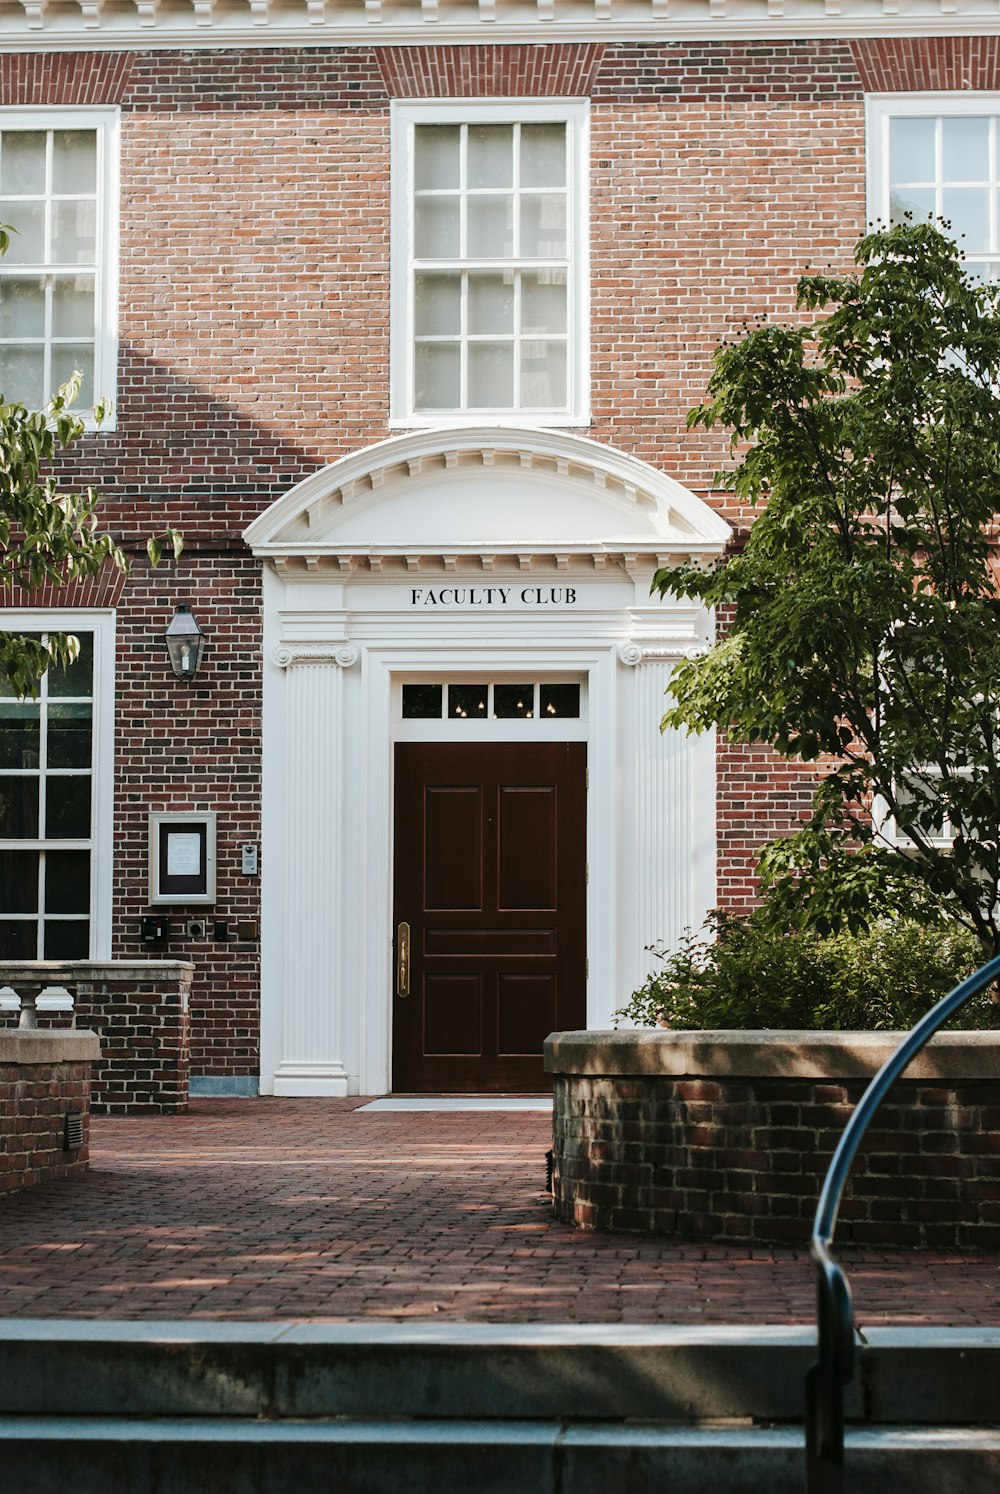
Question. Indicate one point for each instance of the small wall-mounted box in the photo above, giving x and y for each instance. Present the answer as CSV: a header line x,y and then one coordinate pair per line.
x,y
154,929
250,863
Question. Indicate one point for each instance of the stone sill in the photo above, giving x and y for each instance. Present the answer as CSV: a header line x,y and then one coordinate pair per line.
x,y
768,1054
48,1047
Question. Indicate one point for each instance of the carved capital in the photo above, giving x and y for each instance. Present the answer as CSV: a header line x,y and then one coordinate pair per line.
x,y
343,655
665,650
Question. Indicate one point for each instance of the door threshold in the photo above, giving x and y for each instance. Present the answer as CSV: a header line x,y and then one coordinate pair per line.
x,y
542,1103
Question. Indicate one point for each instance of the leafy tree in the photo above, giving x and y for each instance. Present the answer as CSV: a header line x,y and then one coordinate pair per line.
x,y
865,608
46,532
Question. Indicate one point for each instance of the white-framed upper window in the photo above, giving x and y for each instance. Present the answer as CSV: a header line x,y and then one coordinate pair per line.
x,y
58,280
938,155
56,791
490,274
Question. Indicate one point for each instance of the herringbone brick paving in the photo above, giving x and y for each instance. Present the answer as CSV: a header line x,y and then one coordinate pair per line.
x,y
277,1208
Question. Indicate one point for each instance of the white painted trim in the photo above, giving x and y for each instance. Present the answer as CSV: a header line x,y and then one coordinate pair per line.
x,y
107,122
404,116
156,25
101,623
361,476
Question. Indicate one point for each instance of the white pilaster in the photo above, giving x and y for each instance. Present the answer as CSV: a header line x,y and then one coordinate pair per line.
x,y
312,1055
673,812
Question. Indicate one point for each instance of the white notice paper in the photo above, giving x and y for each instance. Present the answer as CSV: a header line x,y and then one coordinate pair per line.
x,y
183,855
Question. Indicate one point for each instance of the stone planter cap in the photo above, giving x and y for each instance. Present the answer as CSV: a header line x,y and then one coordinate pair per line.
x,y
767,1054
35,1046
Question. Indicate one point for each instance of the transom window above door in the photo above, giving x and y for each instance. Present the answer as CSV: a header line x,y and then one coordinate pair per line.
x,y
489,283
463,700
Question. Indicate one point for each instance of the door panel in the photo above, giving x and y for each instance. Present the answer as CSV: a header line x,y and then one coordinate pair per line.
x,y
490,845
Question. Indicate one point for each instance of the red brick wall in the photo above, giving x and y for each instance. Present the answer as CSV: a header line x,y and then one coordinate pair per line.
x,y
254,346
744,1159
34,1102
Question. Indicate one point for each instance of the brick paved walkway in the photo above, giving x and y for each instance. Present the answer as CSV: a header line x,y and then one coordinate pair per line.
x,y
261,1209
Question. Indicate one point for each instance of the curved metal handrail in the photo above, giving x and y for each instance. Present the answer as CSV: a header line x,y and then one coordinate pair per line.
x,y
834,1369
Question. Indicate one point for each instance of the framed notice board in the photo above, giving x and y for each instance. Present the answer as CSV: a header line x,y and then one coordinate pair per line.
x,y
181,858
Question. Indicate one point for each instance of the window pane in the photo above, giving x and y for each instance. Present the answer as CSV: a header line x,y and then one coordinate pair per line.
x,y
543,301
491,303
78,678
67,812
513,702
27,243
438,376
468,702
22,374
543,225
22,162
18,808
543,155
67,881
911,150
18,881
70,730
6,688
22,308
73,306
436,233
71,358
18,939
19,736
965,149
436,151
491,227
69,940
491,156
559,700
437,304
967,210
543,375
74,161
422,702
491,375
74,233
918,201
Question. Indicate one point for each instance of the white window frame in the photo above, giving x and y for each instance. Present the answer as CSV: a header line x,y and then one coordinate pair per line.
x,y
882,108
106,121
102,780
575,114
885,822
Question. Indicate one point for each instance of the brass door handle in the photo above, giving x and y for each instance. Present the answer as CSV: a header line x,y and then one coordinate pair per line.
x,y
403,959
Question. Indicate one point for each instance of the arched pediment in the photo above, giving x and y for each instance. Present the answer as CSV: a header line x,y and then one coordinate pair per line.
x,y
481,493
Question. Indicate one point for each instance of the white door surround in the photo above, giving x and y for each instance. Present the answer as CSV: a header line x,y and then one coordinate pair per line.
x,y
480,554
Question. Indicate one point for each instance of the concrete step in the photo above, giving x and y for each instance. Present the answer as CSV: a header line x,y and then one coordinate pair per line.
x,y
47,1455
563,1373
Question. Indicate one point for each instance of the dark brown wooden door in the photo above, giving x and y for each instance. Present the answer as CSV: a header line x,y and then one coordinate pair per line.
x,y
490,875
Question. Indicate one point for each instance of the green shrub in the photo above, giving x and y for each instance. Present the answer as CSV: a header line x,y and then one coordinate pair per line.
x,y
754,975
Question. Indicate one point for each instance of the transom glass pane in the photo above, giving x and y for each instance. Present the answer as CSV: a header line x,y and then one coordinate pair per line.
x,y
559,700
422,702
467,702
513,702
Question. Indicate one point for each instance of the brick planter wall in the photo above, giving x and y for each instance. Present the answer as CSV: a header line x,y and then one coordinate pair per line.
x,y
140,1010
44,1076
727,1136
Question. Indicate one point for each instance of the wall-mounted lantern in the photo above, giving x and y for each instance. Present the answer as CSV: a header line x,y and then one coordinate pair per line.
x,y
185,642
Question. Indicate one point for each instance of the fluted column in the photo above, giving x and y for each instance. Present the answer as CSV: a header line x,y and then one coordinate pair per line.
x,y
673,813
312,1057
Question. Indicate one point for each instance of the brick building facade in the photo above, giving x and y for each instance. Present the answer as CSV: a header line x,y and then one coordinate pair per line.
x,y
407,465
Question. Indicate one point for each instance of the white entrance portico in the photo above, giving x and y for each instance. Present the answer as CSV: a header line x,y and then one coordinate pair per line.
x,y
483,555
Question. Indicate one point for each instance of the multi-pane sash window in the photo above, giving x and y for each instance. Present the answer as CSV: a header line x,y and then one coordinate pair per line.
x,y
46,814
55,280
940,158
491,299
